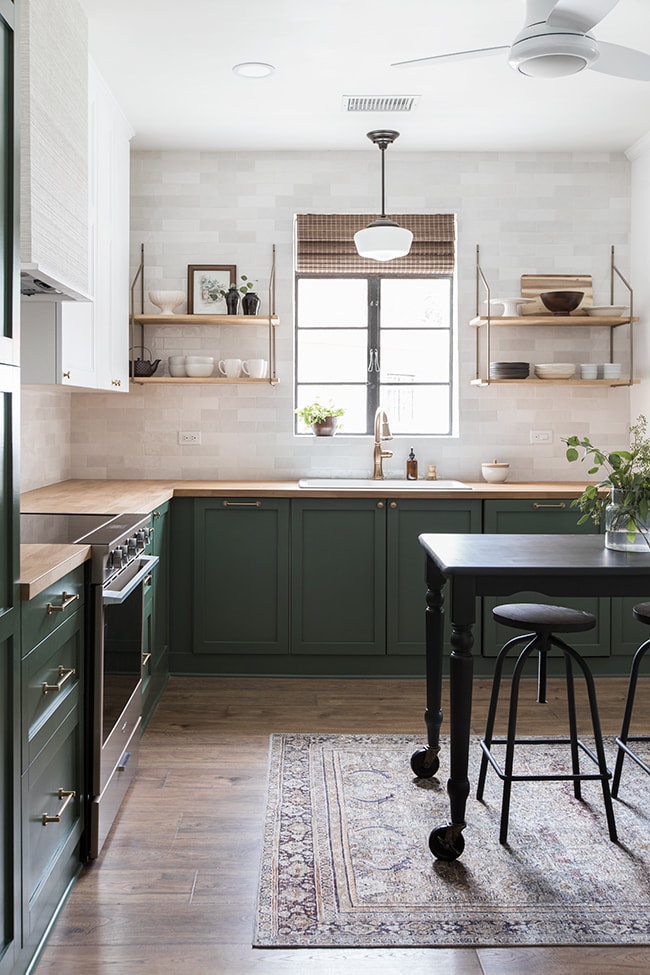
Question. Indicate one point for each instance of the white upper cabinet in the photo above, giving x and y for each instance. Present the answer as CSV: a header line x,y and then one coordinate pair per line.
x,y
54,144
109,144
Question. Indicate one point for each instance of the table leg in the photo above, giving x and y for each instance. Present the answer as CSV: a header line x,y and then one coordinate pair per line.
x,y
447,842
425,761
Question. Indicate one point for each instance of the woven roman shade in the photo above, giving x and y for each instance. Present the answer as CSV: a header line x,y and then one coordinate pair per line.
x,y
325,244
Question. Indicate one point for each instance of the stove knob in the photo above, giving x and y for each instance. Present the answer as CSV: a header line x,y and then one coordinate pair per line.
x,y
131,546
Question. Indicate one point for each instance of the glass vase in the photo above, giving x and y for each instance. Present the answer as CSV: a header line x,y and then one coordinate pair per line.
x,y
625,531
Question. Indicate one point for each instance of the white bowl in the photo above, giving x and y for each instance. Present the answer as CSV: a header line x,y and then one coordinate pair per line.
x,y
176,364
554,370
166,300
198,370
495,472
199,360
611,311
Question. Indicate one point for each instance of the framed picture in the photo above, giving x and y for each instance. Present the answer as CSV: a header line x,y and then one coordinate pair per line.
x,y
206,284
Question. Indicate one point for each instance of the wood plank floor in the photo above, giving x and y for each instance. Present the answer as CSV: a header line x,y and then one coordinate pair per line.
x,y
174,890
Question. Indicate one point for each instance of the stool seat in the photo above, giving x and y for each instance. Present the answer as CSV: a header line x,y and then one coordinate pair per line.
x,y
544,622
545,619
641,612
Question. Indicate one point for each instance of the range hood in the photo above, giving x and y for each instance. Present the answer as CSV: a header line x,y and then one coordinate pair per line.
x,y
37,285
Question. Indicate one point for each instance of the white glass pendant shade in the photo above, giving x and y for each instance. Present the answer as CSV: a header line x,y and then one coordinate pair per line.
x,y
383,240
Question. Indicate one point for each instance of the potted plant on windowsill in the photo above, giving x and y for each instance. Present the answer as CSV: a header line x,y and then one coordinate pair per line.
x,y
322,419
622,498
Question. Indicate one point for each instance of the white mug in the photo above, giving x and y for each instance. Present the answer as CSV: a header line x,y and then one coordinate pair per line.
x,y
254,368
231,368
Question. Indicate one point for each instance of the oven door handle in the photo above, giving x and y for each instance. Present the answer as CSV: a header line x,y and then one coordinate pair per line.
x,y
119,595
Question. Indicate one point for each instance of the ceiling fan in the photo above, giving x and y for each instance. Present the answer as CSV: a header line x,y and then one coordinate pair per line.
x,y
555,41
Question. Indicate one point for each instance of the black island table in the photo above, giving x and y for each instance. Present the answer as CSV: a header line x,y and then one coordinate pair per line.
x,y
472,565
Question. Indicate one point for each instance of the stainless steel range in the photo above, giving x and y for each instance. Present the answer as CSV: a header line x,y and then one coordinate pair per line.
x,y
119,568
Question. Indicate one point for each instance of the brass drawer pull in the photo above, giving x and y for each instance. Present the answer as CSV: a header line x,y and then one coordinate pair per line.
x,y
67,795
64,675
146,657
66,599
242,504
561,505
147,580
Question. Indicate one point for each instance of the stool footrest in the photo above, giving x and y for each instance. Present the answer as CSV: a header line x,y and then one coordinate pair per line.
x,y
628,751
559,777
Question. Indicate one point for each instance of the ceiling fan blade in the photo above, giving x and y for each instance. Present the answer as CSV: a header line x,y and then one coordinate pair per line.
x,y
579,15
479,52
624,62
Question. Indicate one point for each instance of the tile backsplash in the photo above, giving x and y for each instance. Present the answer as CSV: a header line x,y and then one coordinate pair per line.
x,y
529,212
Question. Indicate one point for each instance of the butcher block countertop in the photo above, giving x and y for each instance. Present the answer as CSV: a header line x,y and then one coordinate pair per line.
x,y
41,565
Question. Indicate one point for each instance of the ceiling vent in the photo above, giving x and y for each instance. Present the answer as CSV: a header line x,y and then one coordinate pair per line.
x,y
380,103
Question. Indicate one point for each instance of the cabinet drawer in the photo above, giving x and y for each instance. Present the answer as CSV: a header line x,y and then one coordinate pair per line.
x,y
44,613
52,821
52,677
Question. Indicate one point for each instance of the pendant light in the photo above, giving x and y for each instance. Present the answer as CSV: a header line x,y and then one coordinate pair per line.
x,y
383,239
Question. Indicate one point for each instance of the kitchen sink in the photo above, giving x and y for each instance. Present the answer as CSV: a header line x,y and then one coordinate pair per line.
x,y
363,483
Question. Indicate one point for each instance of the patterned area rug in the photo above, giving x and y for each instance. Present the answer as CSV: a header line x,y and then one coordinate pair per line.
x,y
346,860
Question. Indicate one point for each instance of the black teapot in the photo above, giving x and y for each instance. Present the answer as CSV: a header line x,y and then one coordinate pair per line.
x,y
143,367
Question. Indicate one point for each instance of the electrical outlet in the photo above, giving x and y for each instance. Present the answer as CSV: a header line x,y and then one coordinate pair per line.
x,y
541,436
189,437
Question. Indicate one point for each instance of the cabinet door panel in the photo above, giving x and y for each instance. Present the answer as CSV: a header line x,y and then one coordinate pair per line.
x,y
555,517
338,573
241,576
406,587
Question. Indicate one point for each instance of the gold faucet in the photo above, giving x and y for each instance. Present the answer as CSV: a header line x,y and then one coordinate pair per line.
x,y
382,432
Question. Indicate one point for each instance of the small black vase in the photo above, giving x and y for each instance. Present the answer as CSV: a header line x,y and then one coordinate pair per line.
x,y
251,303
232,300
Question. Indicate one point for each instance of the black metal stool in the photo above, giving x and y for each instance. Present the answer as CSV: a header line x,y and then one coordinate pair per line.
x,y
641,612
545,622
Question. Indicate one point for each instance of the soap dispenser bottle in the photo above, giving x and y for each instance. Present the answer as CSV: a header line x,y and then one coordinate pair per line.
x,y
411,467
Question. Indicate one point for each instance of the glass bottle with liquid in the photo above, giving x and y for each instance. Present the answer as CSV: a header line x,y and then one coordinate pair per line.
x,y
411,467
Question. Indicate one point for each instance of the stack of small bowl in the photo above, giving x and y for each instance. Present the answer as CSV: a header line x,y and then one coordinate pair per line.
x,y
554,370
195,366
509,370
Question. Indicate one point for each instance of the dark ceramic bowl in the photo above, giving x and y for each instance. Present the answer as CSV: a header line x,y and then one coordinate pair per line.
x,y
561,302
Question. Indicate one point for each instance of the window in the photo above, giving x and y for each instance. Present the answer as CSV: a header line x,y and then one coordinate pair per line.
x,y
375,334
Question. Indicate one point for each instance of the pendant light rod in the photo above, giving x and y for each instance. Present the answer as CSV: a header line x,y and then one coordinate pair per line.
x,y
383,138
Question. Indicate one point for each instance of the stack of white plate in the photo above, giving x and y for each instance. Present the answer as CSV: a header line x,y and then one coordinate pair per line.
x,y
554,370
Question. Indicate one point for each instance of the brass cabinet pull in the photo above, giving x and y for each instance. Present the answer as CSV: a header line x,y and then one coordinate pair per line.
x,y
67,795
393,504
66,375
156,514
147,580
64,675
560,505
380,504
242,504
66,599
116,382
146,657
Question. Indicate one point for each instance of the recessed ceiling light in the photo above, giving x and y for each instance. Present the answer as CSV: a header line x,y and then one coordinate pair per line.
x,y
253,69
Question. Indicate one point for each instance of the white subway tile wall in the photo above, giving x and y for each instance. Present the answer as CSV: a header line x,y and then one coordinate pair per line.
x,y
529,212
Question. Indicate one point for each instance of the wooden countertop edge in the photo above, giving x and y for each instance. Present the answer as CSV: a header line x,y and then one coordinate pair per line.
x,y
43,565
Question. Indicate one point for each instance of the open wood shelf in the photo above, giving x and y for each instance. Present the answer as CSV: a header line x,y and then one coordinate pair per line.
x,y
266,320
555,320
200,380
532,381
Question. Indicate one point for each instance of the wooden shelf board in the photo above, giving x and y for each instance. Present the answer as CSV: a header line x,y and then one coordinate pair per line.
x,y
201,381
206,320
554,382
553,320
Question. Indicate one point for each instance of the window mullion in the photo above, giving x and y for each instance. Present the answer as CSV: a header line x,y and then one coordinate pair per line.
x,y
373,349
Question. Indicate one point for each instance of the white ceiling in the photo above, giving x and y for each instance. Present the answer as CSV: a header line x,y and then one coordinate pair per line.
x,y
169,65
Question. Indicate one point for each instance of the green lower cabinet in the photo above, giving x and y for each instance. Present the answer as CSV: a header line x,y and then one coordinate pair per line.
x,y
550,517
241,576
52,797
155,668
405,564
338,559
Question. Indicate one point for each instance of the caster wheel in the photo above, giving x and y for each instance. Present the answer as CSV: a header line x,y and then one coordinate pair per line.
x,y
442,848
421,767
